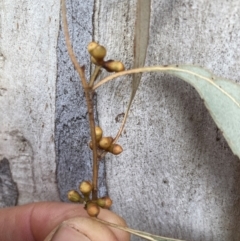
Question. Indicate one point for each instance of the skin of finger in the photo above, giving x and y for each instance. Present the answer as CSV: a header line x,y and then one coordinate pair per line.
x,y
111,217
104,215
68,233
33,222
91,229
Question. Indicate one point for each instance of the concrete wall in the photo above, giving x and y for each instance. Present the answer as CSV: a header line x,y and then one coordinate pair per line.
x,y
177,176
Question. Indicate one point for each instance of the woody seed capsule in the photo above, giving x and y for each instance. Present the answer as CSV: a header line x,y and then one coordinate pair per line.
x,y
74,196
85,187
113,66
91,46
104,202
99,52
115,149
98,133
105,142
93,209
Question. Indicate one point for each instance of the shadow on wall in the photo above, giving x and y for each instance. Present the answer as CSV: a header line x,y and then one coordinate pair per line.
x,y
16,167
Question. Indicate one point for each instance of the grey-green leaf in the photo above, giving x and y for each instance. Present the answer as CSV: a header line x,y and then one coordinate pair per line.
x,y
140,40
140,49
221,97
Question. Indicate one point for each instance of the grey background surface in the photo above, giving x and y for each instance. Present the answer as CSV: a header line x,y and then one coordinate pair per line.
x,y
177,176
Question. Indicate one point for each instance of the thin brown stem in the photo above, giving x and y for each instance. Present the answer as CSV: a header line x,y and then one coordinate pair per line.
x,y
89,99
123,123
94,76
138,233
72,56
88,95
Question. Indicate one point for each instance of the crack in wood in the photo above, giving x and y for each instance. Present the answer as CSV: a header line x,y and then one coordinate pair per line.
x,y
8,188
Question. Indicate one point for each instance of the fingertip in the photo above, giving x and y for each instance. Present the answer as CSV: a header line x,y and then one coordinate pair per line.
x,y
67,233
88,227
112,217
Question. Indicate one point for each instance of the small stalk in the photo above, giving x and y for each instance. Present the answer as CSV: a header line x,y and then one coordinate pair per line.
x,y
88,95
94,76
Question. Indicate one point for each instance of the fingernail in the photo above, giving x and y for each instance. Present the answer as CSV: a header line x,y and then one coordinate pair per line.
x,y
69,234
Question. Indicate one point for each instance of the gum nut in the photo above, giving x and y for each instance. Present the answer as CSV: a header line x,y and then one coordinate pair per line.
x,y
99,52
105,142
104,202
115,149
93,209
85,187
98,133
74,196
91,46
113,66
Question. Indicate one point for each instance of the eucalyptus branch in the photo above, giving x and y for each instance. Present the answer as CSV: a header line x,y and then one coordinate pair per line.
x,y
132,71
169,69
88,94
176,70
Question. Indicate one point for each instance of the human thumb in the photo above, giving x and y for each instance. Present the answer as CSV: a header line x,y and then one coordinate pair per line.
x,y
65,233
82,229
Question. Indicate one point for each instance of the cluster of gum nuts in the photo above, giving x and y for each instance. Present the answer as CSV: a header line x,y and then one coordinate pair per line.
x,y
92,206
98,53
105,143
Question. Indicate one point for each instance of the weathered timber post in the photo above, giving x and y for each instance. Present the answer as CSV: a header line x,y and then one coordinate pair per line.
x,y
177,176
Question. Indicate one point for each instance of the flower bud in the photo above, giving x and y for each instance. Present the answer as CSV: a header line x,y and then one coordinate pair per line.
x,y
104,202
113,66
99,52
115,149
98,133
74,196
93,209
105,142
85,187
91,46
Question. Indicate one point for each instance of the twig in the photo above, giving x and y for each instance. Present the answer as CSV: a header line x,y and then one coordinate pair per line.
x,y
88,95
138,233
94,76
72,56
123,122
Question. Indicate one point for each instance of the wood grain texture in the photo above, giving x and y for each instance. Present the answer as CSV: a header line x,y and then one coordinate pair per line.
x,y
177,176
8,188
29,32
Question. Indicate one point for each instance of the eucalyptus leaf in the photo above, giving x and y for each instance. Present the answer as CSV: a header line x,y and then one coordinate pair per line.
x,y
140,40
141,37
221,96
